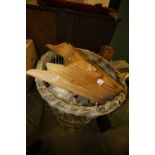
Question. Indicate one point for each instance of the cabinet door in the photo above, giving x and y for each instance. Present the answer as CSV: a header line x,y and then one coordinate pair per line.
x,y
94,32
53,25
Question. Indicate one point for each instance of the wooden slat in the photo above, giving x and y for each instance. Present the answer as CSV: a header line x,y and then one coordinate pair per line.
x,y
79,75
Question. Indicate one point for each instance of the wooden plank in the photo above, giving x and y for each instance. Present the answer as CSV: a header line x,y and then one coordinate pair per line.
x,y
79,75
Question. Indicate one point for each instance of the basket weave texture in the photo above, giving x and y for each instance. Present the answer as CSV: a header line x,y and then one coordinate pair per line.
x,y
75,116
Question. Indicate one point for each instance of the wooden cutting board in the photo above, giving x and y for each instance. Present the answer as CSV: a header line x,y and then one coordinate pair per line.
x,y
79,75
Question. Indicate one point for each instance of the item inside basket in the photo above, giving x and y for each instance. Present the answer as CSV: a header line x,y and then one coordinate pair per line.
x,y
78,75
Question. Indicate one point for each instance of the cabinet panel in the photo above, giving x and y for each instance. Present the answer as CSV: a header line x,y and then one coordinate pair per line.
x,y
55,25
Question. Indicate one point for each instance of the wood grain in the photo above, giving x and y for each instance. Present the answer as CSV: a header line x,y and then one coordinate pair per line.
x,y
79,75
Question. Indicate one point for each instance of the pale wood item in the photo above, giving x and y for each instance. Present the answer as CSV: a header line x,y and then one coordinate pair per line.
x,y
79,75
31,55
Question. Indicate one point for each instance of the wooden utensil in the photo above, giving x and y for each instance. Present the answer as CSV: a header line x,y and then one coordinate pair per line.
x,y
79,75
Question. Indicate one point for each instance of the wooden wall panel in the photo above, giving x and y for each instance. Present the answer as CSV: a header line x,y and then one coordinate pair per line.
x,y
94,32
55,25
41,27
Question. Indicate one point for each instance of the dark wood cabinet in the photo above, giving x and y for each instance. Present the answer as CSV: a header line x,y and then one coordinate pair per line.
x,y
56,25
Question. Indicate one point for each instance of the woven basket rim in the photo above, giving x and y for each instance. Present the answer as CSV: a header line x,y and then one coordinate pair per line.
x,y
63,107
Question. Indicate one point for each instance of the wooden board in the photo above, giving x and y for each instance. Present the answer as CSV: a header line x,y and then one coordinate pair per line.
x,y
31,54
31,60
79,75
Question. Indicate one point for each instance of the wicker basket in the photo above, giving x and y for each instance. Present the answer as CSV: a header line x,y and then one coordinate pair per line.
x,y
77,116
